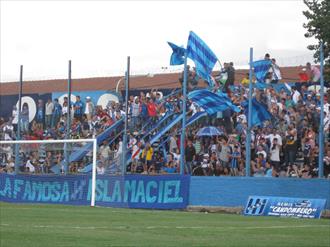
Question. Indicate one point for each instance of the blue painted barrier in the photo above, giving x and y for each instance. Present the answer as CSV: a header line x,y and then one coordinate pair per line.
x,y
132,191
234,191
157,192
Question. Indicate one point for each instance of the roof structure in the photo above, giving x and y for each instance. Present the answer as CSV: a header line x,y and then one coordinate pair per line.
x,y
158,81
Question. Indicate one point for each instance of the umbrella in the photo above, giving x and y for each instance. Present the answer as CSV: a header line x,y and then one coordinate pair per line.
x,y
209,131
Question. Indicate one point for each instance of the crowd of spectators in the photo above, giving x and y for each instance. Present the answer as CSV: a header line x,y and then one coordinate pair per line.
x,y
286,146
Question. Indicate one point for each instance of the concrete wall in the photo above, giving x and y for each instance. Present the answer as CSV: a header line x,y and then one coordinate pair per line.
x,y
234,191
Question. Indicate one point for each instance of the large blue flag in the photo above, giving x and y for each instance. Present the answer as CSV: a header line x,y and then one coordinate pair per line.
x,y
261,69
259,112
177,57
203,56
211,102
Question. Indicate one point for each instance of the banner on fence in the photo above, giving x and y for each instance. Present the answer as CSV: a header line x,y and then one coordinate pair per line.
x,y
284,207
158,192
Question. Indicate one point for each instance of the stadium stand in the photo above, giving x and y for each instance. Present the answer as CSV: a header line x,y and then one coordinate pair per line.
x,y
286,146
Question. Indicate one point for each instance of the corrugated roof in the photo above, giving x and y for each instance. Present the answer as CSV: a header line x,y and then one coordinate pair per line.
x,y
289,74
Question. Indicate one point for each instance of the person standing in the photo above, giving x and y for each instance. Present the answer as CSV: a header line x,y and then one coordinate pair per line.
x,y
276,72
295,95
313,72
275,153
8,130
14,116
40,116
225,151
190,155
49,113
152,110
25,118
89,109
146,156
230,70
57,112
235,156
135,113
173,143
78,108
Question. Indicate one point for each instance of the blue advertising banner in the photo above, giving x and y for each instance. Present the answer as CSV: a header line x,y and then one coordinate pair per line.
x,y
284,207
132,191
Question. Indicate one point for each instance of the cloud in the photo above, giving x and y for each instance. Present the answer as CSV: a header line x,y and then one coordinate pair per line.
x,y
98,36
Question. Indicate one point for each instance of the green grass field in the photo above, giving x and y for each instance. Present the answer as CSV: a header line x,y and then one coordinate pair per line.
x,y
28,225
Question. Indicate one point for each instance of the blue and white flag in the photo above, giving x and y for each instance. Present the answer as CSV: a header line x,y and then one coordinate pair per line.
x,y
211,102
177,57
203,56
261,69
259,112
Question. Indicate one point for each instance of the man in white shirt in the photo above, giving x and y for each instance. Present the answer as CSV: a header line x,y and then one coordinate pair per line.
x,y
104,151
100,169
295,95
273,135
135,113
15,114
275,153
89,109
8,130
30,166
276,72
260,150
49,112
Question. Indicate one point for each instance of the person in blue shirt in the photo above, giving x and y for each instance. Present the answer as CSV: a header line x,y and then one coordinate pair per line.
x,y
169,168
40,116
78,108
269,170
57,112
144,111
235,156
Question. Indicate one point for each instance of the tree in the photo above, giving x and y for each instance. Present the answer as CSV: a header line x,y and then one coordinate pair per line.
x,y
318,26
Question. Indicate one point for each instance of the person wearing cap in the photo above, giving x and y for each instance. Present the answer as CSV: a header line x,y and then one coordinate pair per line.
x,y
89,109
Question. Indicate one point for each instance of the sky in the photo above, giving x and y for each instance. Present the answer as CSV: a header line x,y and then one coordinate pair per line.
x,y
99,35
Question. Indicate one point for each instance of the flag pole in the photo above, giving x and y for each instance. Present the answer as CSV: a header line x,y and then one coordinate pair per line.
x,y
220,64
68,120
248,134
17,158
184,105
124,146
321,128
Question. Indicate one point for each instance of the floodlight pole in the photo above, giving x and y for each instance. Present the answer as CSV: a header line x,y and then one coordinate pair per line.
x,y
321,128
18,137
248,132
